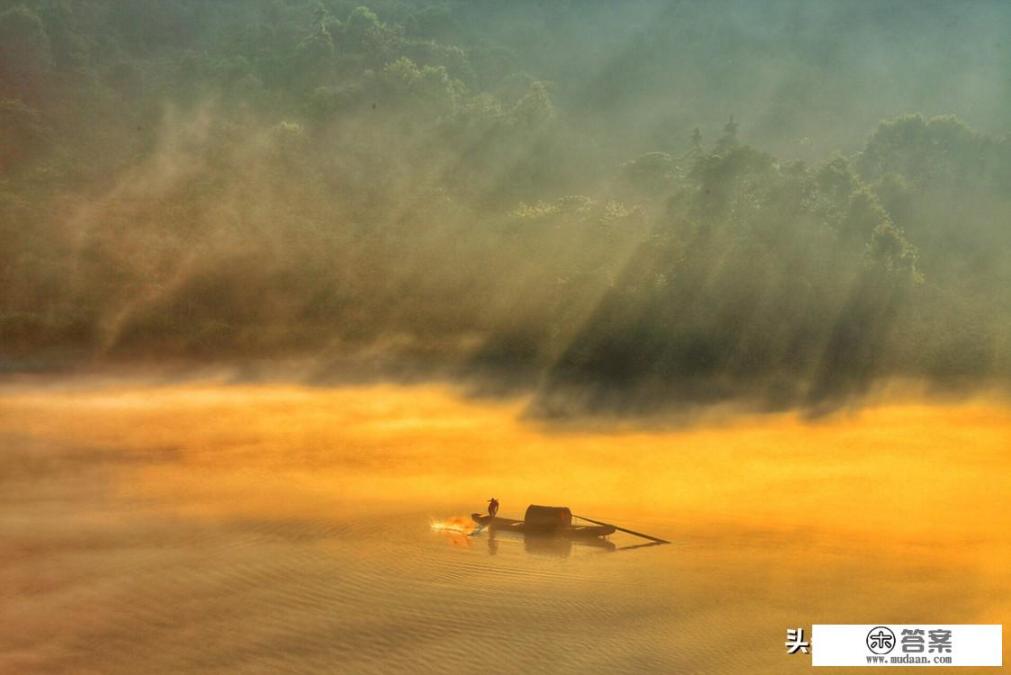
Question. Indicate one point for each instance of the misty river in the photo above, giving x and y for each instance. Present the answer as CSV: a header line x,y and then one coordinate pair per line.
x,y
218,527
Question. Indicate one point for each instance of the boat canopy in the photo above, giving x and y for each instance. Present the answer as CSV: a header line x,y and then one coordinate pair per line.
x,y
548,517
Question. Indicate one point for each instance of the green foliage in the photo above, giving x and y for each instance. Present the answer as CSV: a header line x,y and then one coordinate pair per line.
x,y
428,92
519,187
534,109
941,150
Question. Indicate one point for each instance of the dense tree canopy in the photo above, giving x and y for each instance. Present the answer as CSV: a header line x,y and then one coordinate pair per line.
x,y
470,188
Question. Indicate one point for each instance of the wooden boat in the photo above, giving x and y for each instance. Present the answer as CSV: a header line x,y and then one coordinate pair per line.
x,y
554,521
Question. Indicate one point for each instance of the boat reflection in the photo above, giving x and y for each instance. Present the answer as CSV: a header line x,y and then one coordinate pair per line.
x,y
543,544
553,545
561,547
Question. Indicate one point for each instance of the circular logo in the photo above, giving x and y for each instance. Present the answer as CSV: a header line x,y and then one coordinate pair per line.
x,y
880,640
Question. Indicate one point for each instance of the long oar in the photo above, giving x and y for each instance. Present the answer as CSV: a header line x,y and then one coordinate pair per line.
x,y
622,529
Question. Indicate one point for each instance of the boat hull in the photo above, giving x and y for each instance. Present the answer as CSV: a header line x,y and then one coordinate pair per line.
x,y
521,527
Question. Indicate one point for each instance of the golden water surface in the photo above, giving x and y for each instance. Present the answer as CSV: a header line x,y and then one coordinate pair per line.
x,y
212,527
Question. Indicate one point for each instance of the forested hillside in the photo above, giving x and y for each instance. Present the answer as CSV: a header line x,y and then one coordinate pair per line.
x,y
622,206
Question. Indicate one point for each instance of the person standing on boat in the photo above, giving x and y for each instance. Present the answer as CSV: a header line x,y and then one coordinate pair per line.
x,y
492,507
